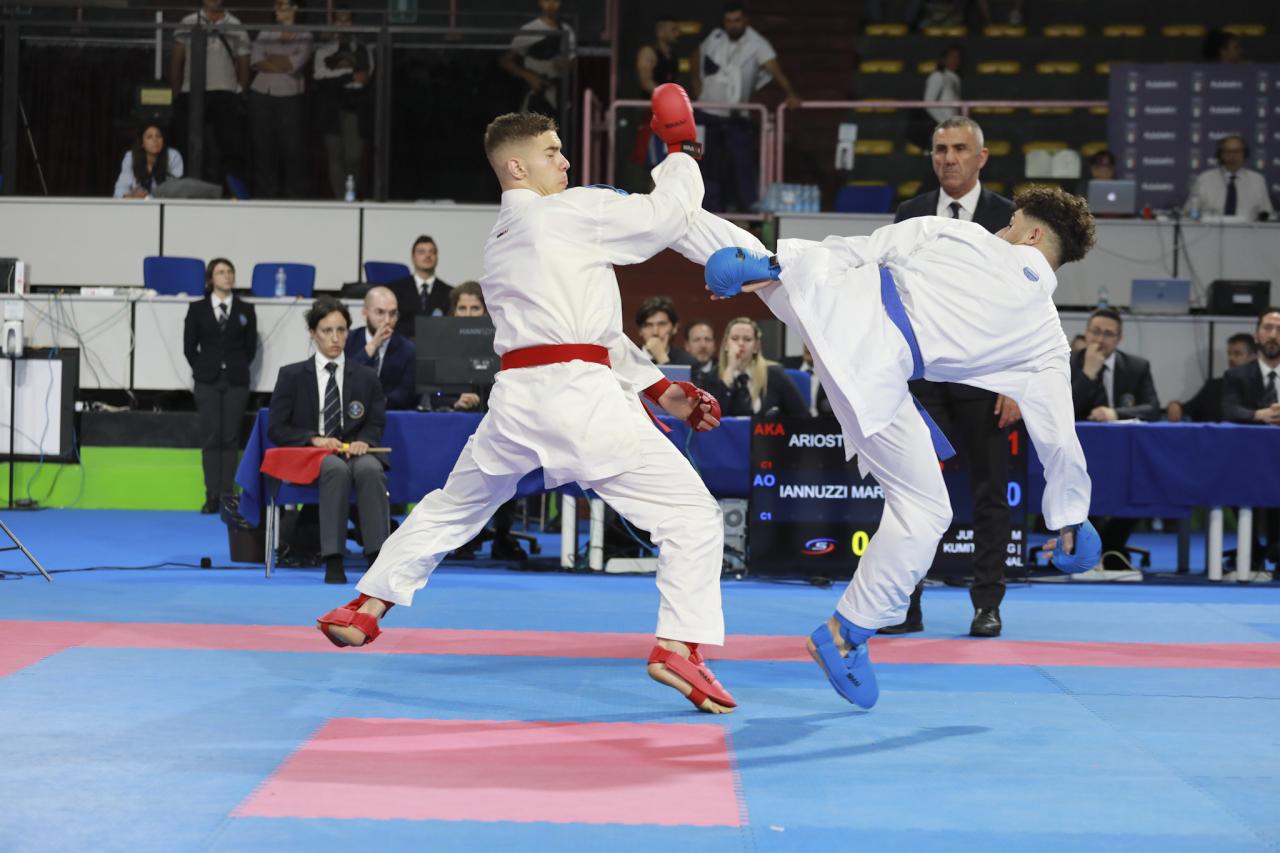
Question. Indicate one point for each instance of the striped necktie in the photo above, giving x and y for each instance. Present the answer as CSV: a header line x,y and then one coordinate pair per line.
x,y
332,403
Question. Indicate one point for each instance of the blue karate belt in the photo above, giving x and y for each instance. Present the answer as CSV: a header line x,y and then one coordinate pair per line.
x,y
898,315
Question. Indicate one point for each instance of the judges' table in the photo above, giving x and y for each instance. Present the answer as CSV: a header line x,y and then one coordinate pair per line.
x,y
426,445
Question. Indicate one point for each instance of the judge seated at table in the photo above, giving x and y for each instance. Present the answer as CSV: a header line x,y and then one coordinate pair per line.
x,y
330,401
379,344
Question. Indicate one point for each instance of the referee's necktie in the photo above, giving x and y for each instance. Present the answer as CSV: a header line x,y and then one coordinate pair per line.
x,y
222,315
332,403
1229,209
955,209
1269,397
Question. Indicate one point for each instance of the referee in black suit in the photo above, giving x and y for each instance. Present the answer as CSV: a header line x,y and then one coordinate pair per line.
x,y
219,339
978,418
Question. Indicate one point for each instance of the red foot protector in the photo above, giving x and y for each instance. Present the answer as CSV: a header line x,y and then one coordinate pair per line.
x,y
298,465
347,615
697,674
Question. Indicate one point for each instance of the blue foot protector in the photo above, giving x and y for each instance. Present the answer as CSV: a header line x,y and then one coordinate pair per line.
x,y
852,676
1087,552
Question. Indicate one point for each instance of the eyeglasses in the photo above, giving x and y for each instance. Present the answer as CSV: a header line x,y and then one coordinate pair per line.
x,y
1106,334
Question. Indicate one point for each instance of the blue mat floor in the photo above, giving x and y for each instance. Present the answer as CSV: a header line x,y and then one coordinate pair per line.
x,y
154,749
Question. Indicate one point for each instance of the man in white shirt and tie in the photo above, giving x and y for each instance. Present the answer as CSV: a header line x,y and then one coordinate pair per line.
x,y
1231,189
421,293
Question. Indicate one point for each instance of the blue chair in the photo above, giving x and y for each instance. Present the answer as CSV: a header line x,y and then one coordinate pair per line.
x,y
859,198
300,279
381,272
238,188
802,382
170,276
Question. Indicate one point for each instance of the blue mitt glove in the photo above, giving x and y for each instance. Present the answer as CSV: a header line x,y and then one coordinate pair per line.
x,y
729,269
1088,549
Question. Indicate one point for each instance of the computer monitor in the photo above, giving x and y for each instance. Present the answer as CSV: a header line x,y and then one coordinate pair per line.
x,y
1245,298
1114,197
1160,296
455,353
677,372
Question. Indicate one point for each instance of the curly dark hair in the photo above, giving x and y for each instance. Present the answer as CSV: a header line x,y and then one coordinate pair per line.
x,y
515,127
1064,214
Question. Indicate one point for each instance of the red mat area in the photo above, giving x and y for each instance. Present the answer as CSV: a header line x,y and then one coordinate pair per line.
x,y
484,770
25,642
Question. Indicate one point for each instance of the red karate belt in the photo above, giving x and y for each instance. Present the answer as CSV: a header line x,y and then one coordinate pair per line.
x,y
298,465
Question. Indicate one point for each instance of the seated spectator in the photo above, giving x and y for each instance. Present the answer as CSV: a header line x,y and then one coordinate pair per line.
x,y
275,106
1206,405
147,165
1078,343
658,323
421,293
1102,166
754,385
342,68
330,401
1222,46
1107,384
379,345
1231,189
467,300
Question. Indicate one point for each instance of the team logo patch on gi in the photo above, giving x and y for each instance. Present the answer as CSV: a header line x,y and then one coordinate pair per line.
x,y
355,409
1030,274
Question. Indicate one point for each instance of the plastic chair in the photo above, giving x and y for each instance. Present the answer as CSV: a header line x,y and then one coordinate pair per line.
x,y
300,279
864,199
803,384
171,276
381,272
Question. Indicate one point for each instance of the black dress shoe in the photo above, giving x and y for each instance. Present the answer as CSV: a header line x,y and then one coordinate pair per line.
x,y
333,571
910,626
211,505
986,622
507,549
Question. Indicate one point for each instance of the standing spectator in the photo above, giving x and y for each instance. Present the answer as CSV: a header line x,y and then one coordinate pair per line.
x,y
978,418
330,401
275,105
467,300
219,339
535,58
342,70
1102,166
378,344
421,293
943,84
656,64
1109,385
732,63
147,165
754,385
1206,405
658,323
1231,189
226,78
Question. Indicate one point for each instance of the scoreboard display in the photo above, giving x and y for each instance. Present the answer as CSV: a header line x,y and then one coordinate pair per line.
x,y
811,514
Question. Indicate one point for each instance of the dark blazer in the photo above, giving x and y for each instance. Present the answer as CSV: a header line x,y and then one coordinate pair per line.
x,y
209,349
1242,391
398,367
1206,405
406,291
1132,387
992,212
781,396
294,415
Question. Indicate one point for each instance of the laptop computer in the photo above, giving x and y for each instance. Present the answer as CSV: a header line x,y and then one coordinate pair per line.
x,y
1160,296
1115,197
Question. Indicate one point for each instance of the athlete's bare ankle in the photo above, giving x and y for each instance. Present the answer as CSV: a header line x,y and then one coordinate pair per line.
x,y
674,646
375,607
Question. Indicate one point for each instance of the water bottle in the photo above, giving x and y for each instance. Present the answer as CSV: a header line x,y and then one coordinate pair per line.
x,y
1104,297
281,277
350,194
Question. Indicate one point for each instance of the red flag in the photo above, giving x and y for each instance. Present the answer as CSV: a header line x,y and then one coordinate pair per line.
x,y
298,465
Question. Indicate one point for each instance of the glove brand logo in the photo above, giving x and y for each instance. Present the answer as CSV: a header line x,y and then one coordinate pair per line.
x,y
818,547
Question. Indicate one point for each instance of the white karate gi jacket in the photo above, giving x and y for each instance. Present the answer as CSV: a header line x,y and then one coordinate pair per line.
x,y
548,279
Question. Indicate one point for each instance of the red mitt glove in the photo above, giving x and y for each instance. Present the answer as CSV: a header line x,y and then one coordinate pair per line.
x,y
697,396
673,120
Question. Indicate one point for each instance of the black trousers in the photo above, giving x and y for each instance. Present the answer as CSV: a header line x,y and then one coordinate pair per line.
x,y
224,133
967,417
279,164
220,406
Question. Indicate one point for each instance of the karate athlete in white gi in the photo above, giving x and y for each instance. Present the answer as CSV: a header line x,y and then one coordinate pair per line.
x,y
567,399
946,300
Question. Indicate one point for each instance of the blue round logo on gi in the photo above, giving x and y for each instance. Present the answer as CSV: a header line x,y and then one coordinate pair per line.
x,y
355,409
1030,274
